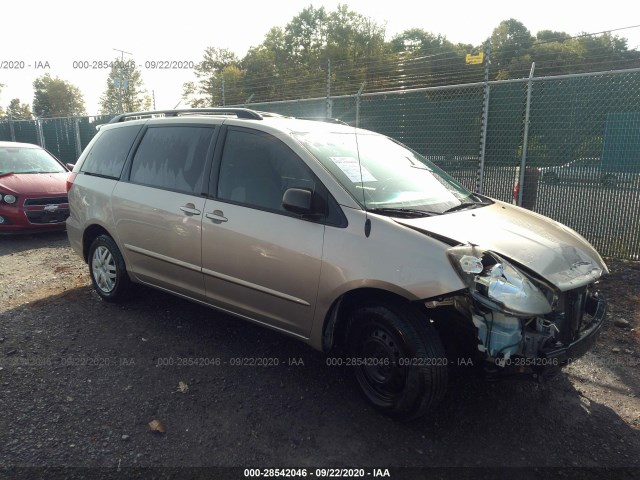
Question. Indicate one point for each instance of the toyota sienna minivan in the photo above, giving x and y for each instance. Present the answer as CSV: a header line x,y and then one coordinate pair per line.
x,y
340,237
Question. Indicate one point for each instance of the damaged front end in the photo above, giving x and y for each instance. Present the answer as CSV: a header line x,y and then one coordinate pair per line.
x,y
524,324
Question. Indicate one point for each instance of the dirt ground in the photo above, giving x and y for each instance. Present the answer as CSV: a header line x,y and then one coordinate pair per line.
x,y
81,379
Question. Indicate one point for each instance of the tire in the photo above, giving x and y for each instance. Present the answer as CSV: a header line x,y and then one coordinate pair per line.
x,y
107,269
413,378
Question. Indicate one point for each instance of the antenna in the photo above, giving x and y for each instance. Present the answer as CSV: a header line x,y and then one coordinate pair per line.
x,y
367,222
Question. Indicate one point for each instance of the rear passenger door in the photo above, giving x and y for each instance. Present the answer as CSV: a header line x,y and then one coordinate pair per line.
x,y
258,259
159,210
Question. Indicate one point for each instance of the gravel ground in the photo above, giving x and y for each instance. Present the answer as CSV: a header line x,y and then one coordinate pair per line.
x,y
81,379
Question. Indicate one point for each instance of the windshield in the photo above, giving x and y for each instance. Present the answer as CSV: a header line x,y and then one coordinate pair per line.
x,y
389,177
27,160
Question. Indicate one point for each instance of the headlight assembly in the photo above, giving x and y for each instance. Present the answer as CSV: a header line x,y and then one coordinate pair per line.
x,y
496,283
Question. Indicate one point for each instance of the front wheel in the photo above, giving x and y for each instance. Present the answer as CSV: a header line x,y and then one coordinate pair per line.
x,y
108,271
399,361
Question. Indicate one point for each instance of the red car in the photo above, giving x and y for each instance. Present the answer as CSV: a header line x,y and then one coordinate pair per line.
x,y
33,189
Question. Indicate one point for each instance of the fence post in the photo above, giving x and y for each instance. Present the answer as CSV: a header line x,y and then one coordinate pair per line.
x,y
358,103
12,131
525,137
329,106
78,138
484,120
40,133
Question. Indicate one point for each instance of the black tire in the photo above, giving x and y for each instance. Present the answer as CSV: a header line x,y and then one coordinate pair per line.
x,y
107,269
401,365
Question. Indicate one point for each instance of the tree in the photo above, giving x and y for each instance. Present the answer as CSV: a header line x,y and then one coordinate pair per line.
x,y
1,111
18,111
125,89
426,59
510,41
265,67
206,91
551,36
352,41
54,97
231,77
293,61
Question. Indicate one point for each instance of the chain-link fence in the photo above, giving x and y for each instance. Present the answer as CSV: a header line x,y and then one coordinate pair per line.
x,y
64,137
580,133
572,142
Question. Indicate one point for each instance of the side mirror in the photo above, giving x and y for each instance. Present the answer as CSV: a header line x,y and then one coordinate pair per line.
x,y
297,200
70,166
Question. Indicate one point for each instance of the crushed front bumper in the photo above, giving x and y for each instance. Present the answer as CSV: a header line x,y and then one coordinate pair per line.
x,y
550,360
596,307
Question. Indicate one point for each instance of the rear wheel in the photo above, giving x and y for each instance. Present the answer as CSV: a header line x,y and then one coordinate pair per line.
x,y
108,271
399,361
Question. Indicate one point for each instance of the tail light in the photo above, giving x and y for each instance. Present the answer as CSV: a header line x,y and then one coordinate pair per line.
x,y
70,178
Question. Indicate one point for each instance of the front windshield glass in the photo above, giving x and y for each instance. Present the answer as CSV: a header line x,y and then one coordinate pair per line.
x,y
388,175
27,160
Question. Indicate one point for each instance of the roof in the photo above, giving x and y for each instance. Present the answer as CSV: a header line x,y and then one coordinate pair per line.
x,y
239,116
18,145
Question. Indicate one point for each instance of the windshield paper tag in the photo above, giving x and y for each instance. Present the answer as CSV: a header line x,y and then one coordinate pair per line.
x,y
351,168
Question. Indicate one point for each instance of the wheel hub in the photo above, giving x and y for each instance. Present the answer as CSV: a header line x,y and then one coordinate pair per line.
x,y
104,269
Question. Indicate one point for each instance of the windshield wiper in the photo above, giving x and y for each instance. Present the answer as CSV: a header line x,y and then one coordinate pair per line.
x,y
404,212
463,206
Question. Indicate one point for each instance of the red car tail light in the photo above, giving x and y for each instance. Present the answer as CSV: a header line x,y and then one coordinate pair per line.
x,y
70,179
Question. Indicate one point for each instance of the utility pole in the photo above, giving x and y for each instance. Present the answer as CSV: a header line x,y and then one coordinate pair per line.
x,y
121,80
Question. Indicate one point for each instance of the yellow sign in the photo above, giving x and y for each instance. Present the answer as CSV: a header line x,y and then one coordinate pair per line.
x,y
474,59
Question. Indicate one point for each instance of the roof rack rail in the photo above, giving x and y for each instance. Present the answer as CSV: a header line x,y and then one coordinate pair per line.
x,y
324,119
239,112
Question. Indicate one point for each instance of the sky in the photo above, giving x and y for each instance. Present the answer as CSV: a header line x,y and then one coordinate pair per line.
x,y
54,34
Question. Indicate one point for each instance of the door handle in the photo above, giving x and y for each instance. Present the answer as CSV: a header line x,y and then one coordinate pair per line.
x,y
217,216
190,209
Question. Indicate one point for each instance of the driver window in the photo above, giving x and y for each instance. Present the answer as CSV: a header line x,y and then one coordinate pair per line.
x,y
256,169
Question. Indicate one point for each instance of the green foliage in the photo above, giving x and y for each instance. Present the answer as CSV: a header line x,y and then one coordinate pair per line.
x,y
510,41
54,97
265,66
349,49
513,49
125,89
293,61
19,111
207,90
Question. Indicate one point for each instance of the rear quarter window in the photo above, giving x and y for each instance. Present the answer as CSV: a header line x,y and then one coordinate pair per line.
x,y
109,153
173,158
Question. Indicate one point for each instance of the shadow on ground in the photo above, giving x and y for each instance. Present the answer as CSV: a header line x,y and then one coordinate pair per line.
x,y
81,379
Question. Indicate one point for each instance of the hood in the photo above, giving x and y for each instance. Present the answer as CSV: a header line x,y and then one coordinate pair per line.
x,y
34,183
548,248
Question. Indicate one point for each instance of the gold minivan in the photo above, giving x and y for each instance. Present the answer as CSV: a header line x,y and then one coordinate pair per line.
x,y
338,236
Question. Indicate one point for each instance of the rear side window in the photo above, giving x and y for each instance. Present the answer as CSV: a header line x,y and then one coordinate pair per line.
x,y
172,158
108,154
